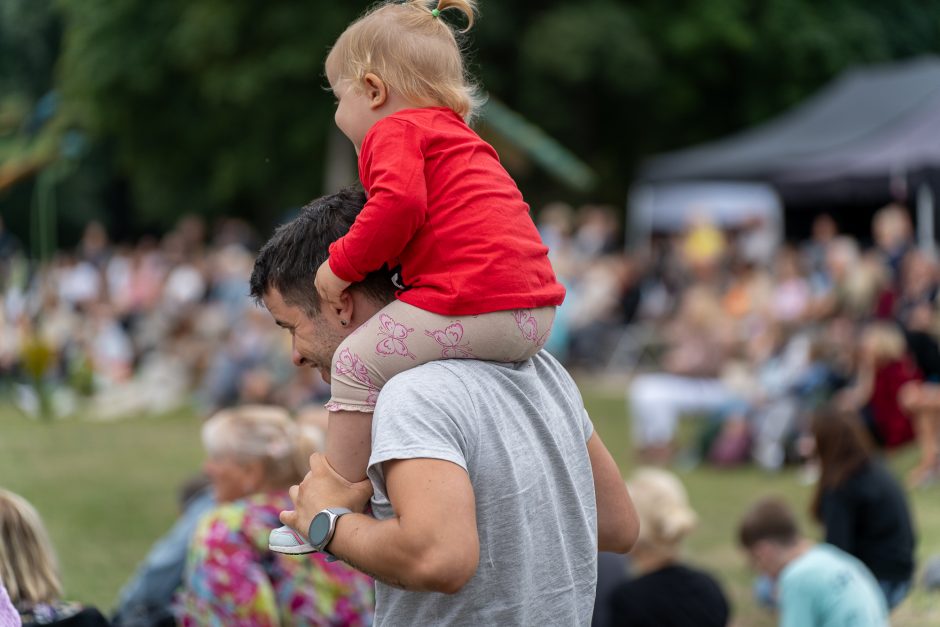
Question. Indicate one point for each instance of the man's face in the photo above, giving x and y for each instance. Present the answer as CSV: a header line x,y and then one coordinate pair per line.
x,y
313,340
764,558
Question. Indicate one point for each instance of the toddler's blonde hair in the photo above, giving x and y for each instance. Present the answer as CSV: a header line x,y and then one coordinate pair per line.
x,y
413,51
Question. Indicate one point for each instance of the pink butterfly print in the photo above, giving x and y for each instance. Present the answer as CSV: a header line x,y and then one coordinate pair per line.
x,y
529,326
450,338
350,364
395,335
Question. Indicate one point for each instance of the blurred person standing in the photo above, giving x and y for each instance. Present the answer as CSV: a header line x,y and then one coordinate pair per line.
x,y
79,282
815,250
185,284
922,398
702,248
665,592
861,506
852,283
555,225
918,287
883,369
95,246
893,234
597,232
30,572
747,295
818,585
791,292
604,299
699,340
255,453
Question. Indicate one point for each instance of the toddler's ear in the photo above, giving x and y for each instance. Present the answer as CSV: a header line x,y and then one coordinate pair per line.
x,y
376,90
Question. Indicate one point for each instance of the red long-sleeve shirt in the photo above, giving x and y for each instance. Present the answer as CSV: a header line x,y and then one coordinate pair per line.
x,y
441,205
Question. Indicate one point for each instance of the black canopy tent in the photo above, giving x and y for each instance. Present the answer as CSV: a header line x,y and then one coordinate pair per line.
x,y
869,137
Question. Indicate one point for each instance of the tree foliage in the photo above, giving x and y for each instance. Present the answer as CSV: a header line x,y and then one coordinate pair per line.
x,y
211,105
618,81
216,106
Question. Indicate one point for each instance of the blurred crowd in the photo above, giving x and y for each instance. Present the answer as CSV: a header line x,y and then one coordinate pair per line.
x,y
122,330
808,352
757,343
118,329
714,322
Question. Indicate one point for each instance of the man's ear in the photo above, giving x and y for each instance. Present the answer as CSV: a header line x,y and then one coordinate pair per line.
x,y
376,90
347,307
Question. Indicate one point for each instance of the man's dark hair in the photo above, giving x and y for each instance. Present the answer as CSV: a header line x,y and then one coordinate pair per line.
x,y
768,519
288,262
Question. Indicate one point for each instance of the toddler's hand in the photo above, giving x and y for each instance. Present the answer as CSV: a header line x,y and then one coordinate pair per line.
x,y
329,286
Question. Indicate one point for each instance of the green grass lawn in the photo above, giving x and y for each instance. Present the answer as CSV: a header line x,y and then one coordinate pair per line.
x,y
108,490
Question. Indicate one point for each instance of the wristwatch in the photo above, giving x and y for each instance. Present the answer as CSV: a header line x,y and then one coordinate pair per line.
x,y
323,526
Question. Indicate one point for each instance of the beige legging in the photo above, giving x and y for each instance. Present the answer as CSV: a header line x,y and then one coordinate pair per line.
x,y
402,336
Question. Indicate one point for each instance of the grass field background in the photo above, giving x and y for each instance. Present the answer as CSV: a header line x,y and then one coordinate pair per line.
x,y
107,490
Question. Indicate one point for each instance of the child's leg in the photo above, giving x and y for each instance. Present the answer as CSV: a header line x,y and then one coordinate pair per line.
x,y
508,336
349,443
400,337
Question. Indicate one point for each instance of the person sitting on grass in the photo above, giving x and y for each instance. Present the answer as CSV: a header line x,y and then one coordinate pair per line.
x,y
30,573
147,599
254,453
666,592
818,585
861,505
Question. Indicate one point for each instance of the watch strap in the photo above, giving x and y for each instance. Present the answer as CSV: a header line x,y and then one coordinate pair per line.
x,y
332,514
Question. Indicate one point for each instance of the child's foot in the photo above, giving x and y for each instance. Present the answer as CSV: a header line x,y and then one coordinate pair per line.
x,y
286,540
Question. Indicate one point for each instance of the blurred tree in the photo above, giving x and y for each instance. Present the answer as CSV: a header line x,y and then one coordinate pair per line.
x,y
617,81
216,106
212,106
30,32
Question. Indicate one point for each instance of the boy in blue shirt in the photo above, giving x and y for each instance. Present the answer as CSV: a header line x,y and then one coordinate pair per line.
x,y
818,585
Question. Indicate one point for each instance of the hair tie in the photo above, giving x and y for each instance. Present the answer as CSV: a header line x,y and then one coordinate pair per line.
x,y
436,12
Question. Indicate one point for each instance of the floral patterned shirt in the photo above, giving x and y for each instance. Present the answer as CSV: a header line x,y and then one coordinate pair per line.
x,y
233,579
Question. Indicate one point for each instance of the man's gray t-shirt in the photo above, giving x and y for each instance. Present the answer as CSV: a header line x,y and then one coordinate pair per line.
x,y
520,432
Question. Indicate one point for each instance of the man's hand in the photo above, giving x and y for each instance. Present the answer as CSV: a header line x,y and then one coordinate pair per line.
x,y
320,489
329,286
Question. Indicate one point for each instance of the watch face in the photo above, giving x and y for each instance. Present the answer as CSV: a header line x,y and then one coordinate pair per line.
x,y
319,528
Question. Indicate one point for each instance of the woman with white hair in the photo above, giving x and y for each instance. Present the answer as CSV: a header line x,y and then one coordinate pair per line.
x,y
30,573
254,454
665,592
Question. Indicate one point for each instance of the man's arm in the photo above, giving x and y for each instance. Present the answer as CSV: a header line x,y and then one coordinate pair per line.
x,y
431,543
617,522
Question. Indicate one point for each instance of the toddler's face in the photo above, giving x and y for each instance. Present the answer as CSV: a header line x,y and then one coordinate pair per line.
x,y
355,114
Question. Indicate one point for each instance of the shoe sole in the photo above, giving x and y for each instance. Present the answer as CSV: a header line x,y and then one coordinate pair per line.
x,y
292,550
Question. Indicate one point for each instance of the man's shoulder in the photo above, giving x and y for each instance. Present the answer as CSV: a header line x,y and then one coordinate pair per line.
x,y
444,378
